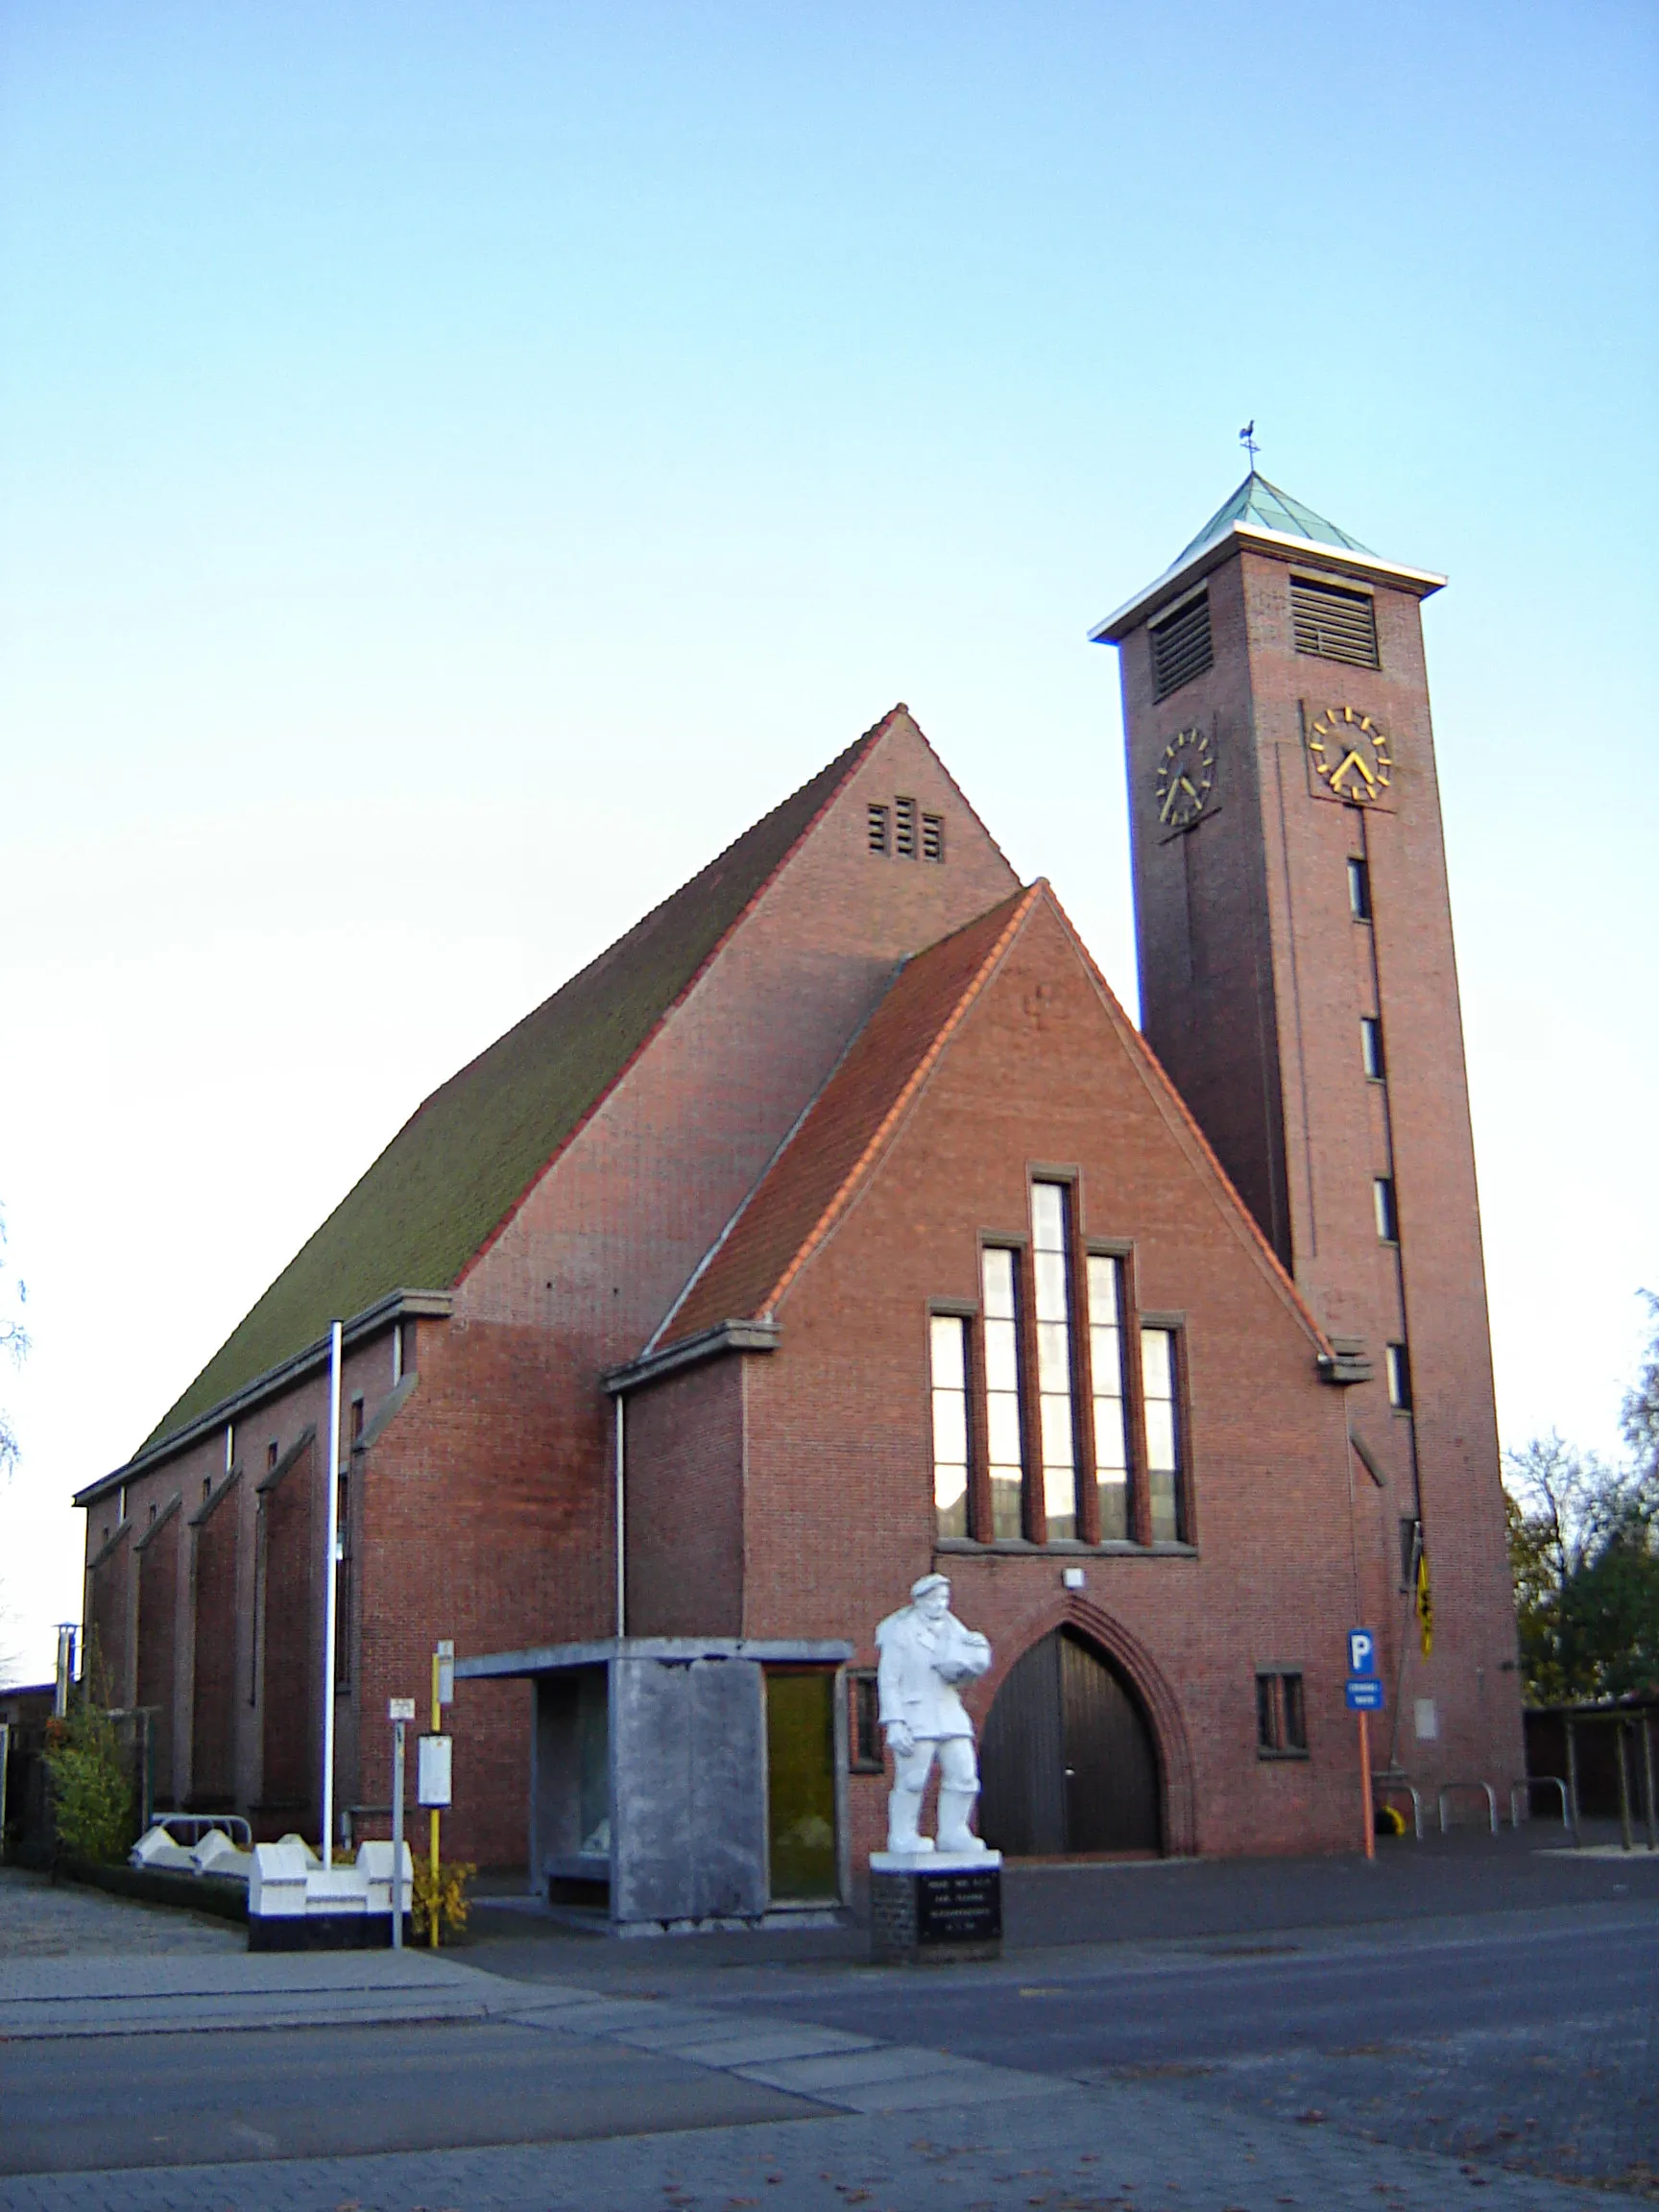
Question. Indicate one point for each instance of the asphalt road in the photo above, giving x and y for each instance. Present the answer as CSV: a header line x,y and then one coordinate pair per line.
x,y
1530,2039
1523,2039
113,2102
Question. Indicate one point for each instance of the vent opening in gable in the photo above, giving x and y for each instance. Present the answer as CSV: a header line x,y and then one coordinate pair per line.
x,y
1181,647
1337,625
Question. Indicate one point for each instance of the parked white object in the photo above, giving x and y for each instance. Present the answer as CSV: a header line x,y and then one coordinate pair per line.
x,y
157,1849
216,1854
288,1882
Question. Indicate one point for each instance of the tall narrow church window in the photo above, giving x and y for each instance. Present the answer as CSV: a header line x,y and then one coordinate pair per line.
x,y
878,820
905,828
1158,1378
1334,624
1371,1046
932,836
1001,1337
1052,1267
1181,647
1358,890
1106,1372
1387,1212
947,1338
1399,1366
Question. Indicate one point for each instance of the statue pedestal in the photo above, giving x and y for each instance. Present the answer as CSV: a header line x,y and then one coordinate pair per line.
x,y
931,1907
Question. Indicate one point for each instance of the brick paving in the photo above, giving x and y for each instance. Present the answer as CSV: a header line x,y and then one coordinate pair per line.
x,y
40,1919
1073,2151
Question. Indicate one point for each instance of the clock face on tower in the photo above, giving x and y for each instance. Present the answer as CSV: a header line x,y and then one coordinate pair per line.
x,y
1351,755
1185,775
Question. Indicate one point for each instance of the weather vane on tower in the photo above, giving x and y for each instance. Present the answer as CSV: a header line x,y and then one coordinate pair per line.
x,y
1248,439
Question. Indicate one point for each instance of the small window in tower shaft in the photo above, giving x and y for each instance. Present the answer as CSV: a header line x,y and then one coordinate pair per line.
x,y
878,818
1358,890
1371,1046
905,828
1387,1215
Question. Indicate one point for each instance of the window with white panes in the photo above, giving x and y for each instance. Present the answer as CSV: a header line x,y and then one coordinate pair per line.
x,y
1158,1389
948,1340
1004,1453
1106,1377
1051,1262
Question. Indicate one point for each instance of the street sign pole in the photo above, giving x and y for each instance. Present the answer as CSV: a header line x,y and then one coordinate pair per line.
x,y
398,1727
399,1711
442,1693
1364,1697
1366,1813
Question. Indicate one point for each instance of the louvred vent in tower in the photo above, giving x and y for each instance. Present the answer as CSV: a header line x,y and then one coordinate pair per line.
x,y
1335,624
1181,647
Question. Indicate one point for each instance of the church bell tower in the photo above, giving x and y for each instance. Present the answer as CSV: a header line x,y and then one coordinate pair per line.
x,y
1299,984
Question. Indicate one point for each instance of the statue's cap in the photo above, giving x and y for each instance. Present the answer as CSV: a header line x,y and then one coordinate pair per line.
x,y
929,1583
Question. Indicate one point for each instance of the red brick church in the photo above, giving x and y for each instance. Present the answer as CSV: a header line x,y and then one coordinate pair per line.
x,y
837,1225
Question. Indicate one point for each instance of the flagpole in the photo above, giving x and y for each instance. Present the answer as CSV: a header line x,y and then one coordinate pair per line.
x,y
330,1591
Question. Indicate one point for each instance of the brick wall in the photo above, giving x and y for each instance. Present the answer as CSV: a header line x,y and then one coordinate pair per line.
x,y
839,1489
289,1570
158,1550
214,1529
110,1596
685,1492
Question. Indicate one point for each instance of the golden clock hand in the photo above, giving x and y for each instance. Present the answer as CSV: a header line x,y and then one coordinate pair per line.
x,y
1187,787
1164,811
1352,760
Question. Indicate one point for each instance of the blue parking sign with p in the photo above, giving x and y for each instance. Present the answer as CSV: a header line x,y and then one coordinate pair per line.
x,y
1362,1652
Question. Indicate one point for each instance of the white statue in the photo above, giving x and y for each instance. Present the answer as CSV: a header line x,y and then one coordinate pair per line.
x,y
923,1654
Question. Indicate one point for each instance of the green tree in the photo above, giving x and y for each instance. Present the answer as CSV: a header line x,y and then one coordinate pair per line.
x,y
1584,1553
92,1803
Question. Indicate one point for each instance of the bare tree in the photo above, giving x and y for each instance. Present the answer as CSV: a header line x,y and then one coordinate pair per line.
x,y
15,1345
1584,1550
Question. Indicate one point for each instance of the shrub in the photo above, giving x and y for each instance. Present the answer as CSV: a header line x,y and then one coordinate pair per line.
x,y
92,1806
450,1894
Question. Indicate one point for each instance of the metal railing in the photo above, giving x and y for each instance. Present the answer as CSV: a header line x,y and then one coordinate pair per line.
x,y
1381,1784
1491,1796
1521,1794
199,1824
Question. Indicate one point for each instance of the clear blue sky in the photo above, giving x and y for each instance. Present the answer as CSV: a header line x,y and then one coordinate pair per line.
x,y
458,464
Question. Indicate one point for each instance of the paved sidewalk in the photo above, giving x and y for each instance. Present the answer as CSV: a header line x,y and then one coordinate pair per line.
x,y
1073,2151
43,1919
107,1995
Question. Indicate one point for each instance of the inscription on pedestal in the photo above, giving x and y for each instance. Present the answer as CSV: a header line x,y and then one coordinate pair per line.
x,y
959,1908
936,1913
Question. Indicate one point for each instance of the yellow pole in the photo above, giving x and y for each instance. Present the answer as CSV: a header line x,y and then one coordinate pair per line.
x,y
437,1727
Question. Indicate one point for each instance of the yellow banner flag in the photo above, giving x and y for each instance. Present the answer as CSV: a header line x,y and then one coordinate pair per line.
x,y
1424,1604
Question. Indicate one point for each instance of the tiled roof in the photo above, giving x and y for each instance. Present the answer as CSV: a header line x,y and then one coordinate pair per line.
x,y
797,1201
1257,501
817,1170
458,1168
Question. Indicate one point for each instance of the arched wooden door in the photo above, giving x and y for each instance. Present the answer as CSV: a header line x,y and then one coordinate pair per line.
x,y
1068,1763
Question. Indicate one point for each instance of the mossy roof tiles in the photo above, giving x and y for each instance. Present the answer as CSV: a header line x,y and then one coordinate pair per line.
x,y
457,1169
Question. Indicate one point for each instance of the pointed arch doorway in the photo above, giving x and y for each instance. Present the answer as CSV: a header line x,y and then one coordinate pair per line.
x,y
1068,1763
